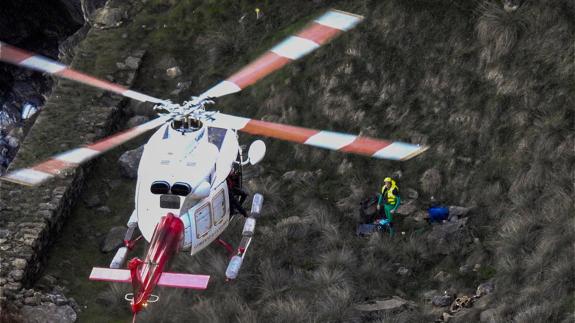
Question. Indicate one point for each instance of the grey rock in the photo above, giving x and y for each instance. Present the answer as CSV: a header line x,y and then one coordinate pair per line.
x,y
136,121
442,276
458,211
19,263
403,271
485,289
109,17
114,239
173,72
407,208
13,142
48,313
392,304
411,194
442,301
4,233
16,274
431,181
133,62
129,162
32,301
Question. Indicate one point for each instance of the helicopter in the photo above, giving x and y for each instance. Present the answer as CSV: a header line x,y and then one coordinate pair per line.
x,y
184,196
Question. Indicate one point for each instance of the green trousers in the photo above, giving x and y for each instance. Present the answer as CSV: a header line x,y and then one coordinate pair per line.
x,y
389,216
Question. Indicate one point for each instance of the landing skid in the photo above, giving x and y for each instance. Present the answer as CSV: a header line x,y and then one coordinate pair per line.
x,y
247,234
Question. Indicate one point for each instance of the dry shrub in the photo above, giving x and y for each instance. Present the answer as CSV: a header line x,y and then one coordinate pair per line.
x,y
334,304
339,258
498,31
113,297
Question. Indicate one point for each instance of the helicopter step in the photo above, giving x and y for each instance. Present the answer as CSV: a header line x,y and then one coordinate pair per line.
x,y
247,234
120,256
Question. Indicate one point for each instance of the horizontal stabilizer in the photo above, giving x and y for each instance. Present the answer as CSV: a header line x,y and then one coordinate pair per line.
x,y
184,280
110,275
166,279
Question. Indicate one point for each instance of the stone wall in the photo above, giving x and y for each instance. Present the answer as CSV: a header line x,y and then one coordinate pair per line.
x,y
31,218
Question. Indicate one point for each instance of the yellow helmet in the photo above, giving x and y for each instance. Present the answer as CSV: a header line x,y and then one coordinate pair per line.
x,y
387,179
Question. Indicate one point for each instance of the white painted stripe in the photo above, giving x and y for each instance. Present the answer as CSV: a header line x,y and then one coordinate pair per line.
x,y
339,20
43,64
330,140
227,121
397,151
142,97
221,89
294,47
78,155
28,176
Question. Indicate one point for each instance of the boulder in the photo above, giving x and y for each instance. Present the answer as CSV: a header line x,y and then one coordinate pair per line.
x,y
109,17
442,300
392,304
48,313
485,289
411,193
129,162
114,239
448,237
406,208
458,211
431,181
173,72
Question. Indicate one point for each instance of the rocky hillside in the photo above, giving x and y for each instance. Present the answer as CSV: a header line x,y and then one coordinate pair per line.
x,y
489,86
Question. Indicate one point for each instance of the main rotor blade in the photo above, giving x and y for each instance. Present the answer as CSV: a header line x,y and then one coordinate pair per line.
x,y
367,146
43,171
20,57
317,33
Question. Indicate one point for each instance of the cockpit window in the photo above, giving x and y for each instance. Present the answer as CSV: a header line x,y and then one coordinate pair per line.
x,y
160,187
181,189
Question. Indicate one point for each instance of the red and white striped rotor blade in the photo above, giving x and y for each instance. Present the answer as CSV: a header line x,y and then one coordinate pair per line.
x,y
56,165
317,33
367,146
20,57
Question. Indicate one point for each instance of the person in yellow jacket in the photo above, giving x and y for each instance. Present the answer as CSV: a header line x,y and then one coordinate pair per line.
x,y
390,199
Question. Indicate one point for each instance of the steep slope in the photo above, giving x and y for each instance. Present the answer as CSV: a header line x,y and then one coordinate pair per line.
x,y
490,91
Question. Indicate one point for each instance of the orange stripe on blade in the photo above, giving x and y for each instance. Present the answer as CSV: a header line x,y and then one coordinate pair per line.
x,y
365,146
279,131
115,140
261,67
53,166
13,55
83,78
318,33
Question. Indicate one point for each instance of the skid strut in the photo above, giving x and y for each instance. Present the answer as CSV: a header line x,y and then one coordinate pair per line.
x,y
120,257
247,234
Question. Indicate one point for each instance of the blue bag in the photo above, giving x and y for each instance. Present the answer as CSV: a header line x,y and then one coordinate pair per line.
x,y
438,213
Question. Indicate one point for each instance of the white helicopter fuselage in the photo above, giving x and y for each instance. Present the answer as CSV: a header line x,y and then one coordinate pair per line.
x,y
184,172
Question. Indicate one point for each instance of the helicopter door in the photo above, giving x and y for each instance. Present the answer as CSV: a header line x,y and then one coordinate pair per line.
x,y
207,220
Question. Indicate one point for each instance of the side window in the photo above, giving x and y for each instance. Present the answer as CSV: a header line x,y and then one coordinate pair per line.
x,y
203,220
219,205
